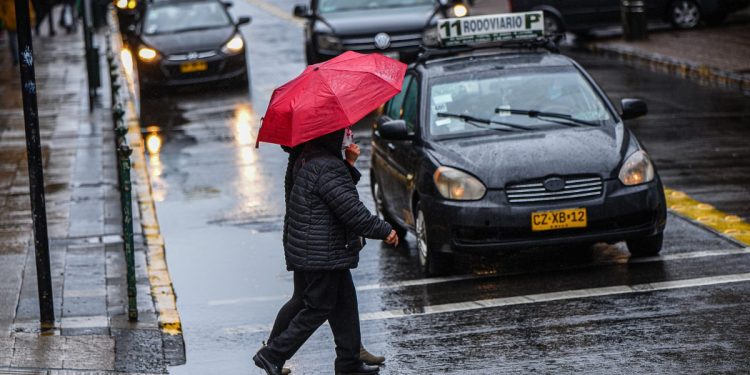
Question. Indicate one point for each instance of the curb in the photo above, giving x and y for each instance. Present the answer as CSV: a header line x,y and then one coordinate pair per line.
x,y
162,289
699,73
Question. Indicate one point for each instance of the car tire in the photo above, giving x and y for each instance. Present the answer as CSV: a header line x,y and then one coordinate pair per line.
x,y
647,246
311,56
433,263
684,14
377,196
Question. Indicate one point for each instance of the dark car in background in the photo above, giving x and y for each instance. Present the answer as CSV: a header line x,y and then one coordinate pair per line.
x,y
496,149
184,42
580,16
396,28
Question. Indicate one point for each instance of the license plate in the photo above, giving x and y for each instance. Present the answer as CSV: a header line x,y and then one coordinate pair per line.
x,y
393,55
193,66
558,219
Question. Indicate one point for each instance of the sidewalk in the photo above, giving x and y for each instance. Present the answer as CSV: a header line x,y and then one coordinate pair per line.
x,y
88,268
717,55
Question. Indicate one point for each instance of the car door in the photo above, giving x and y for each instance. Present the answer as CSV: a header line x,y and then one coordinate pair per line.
x,y
383,168
404,157
579,14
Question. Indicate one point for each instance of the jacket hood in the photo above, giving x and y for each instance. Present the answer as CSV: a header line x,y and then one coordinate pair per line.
x,y
190,41
388,20
330,143
498,160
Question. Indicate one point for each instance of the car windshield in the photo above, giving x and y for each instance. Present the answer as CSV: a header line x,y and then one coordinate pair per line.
x,y
513,101
186,16
330,6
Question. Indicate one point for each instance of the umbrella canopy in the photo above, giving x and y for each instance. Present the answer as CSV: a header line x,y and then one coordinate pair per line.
x,y
330,96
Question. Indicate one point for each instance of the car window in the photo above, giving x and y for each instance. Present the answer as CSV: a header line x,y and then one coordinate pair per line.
x,y
410,107
329,6
393,109
185,16
486,94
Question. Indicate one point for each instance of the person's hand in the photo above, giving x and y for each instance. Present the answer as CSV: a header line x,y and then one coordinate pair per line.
x,y
392,238
352,153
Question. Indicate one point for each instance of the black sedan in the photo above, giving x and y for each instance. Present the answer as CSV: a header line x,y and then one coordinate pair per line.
x,y
183,42
396,28
583,15
487,150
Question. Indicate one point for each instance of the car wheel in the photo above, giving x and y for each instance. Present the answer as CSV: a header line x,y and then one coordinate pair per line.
x,y
311,56
645,246
377,196
433,263
553,24
684,14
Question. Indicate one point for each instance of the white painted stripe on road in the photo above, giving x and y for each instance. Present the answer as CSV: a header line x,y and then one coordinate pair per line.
x,y
556,296
439,280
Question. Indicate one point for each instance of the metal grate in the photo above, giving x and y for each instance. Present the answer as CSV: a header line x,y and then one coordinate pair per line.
x,y
575,187
367,43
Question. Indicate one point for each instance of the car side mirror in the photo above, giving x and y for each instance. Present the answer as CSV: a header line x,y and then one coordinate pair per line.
x,y
243,21
302,11
633,108
227,4
394,130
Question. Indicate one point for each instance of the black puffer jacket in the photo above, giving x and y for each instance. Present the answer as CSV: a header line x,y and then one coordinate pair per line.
x,y
324,216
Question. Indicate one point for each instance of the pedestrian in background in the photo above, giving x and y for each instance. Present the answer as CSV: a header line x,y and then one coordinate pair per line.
x,y
44,11
8,19
324,228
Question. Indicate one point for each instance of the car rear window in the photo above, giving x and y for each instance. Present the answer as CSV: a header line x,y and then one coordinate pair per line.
x,y
187,16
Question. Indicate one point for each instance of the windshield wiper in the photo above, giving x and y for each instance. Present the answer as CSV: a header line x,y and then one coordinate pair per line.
x,y
571,121
469,119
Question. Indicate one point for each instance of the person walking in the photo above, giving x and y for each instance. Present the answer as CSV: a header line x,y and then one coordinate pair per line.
x,y
44,11
296,303
324,226
8,19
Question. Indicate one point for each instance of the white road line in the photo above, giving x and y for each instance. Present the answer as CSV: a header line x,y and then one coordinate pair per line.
x,y
439,280
557,296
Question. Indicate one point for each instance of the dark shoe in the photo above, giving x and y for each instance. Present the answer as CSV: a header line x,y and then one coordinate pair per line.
x,y
363,369
369,358
269,367
286,371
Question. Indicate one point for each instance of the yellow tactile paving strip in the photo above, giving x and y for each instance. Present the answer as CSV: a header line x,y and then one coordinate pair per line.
x,y
731,226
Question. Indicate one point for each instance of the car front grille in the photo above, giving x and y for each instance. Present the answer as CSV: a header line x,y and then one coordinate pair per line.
x,y
367,43
191,56
575,187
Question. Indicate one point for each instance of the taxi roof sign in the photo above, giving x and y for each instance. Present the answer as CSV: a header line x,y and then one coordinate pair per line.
x,y
491,28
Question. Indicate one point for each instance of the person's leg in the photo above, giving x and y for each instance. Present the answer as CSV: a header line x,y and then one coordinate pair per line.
x,y
291,308
319,298
50,21
344,321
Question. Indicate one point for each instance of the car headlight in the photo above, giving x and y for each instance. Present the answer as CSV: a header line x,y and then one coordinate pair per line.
x,y
459,10
233,46
147,54
329,42
458,185
637,169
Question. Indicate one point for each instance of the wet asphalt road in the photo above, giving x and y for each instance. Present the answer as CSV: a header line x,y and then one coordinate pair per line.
x,y
220,205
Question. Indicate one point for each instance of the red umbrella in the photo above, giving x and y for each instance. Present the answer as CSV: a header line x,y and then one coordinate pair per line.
x,y
330,96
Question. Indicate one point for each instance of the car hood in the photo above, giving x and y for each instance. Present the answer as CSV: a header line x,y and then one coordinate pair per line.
x,y
190,41
501,159
389,20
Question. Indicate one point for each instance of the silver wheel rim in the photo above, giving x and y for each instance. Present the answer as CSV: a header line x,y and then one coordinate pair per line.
x,y
550,24
421,238
686,14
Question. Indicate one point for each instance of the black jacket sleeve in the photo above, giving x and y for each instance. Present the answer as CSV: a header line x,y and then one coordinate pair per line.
x,y
336,188
356,176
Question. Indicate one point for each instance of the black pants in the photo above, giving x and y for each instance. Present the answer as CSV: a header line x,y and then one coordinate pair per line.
x,y
318,296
